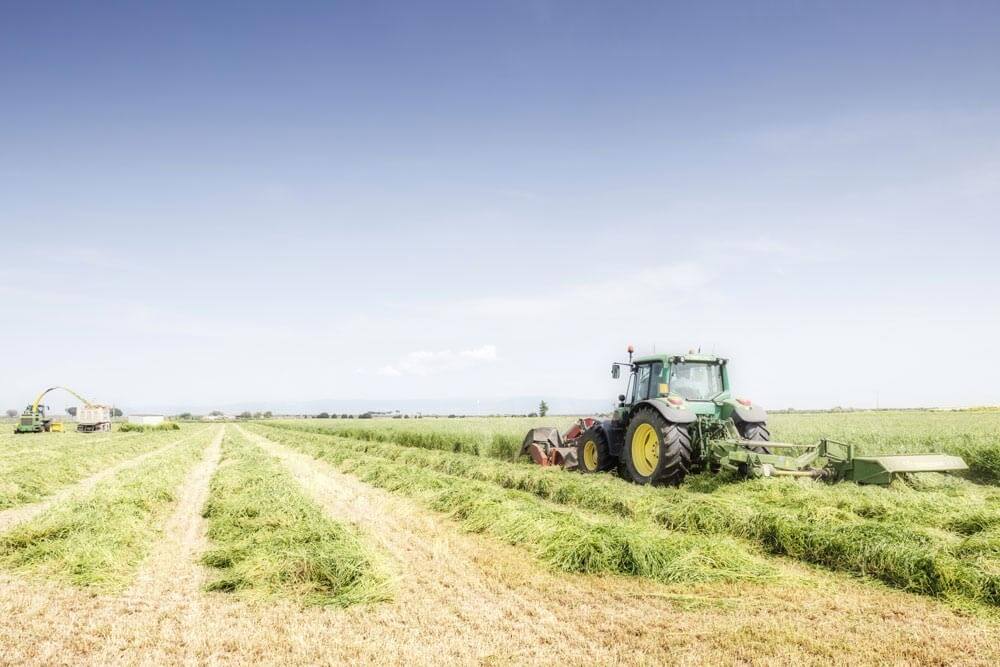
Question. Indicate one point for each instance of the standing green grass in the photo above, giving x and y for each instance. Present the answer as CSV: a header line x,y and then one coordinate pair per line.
x,y
973,435
493,437
270,540
99,539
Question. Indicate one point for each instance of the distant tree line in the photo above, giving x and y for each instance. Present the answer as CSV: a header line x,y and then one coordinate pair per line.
x,y
246,414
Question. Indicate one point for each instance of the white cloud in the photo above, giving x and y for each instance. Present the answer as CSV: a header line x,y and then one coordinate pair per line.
x,y
425,362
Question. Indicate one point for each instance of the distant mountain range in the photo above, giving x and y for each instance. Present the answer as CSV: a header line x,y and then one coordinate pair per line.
x,y
442,406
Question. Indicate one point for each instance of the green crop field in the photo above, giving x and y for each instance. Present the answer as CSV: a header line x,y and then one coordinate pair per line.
x,y
377,539
35,466
974,435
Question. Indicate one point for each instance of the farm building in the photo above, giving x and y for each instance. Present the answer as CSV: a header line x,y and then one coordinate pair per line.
x,y
145,420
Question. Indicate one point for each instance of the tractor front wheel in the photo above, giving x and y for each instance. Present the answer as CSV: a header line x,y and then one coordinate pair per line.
x,y
656,451
592,451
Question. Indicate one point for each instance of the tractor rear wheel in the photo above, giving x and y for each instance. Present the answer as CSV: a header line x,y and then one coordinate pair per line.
x,y
592,451
757,432
656,451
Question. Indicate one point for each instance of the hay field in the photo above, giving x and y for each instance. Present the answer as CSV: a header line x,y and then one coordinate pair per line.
x,y
426,541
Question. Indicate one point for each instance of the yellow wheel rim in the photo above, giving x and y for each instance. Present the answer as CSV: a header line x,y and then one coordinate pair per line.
x,y
590,455
645,449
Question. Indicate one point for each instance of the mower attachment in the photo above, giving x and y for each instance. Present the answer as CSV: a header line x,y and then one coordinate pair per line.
x,y
827,459
881,469
547,448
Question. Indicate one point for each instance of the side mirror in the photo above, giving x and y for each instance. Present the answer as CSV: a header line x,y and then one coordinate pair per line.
x,y
615,371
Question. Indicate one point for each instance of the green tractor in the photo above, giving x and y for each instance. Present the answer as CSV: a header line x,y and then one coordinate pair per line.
x,y
678,415
34,420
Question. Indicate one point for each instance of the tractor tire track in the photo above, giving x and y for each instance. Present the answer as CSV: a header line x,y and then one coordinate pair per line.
x,y
162,609
11,517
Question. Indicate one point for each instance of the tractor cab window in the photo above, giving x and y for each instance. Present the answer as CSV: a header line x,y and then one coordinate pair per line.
x,y
696,381
641,384
647,381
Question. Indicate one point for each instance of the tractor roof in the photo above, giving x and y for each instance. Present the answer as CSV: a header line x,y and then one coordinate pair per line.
x,y
706,358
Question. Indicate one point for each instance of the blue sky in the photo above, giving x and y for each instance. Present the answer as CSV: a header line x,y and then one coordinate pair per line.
x,y
220,202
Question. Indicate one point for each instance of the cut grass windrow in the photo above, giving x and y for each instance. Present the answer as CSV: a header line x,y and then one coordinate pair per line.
x,y
54,461
270,540
99,539
566,540
937,541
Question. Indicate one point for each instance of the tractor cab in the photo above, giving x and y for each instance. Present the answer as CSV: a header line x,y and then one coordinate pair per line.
x,y
695,382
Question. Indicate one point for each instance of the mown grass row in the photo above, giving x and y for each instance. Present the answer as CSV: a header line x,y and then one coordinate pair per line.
x,y
36,442
12,445
270,540
939,541
32,474
98,540
943,502
566,540
144,428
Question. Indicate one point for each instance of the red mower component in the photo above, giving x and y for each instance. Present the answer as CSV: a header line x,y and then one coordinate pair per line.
x,y
547,447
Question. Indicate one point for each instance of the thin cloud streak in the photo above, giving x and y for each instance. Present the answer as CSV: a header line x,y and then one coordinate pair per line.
x,y
423,363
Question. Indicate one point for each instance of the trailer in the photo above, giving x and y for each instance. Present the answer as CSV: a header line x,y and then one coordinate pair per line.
x,y
93,418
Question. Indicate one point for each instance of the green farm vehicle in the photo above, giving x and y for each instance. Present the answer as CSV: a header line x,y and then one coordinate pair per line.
x,y
34,419
678,415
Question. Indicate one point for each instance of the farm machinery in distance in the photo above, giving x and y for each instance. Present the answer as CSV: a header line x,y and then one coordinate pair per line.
x,y
90,418
678,415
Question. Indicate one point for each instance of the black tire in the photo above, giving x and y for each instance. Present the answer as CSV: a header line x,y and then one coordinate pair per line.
x,y
622,466
672,446
601,459
755,431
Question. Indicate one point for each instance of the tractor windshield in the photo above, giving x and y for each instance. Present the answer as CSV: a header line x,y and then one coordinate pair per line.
x,y
696,381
